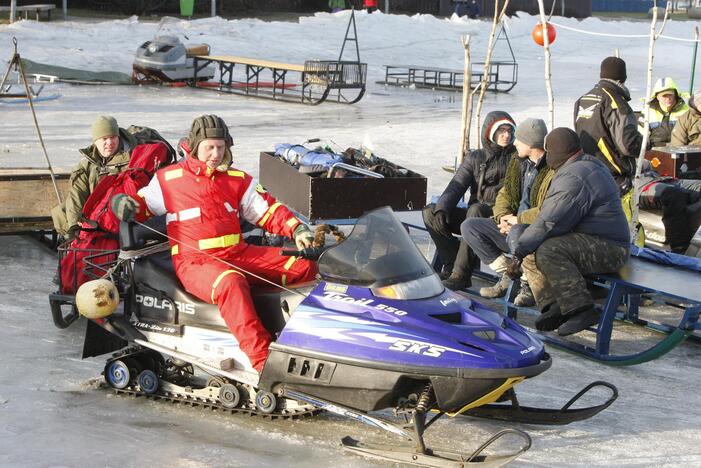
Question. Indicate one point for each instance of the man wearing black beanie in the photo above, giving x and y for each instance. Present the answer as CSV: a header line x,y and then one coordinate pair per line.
x,y
606,124
580,229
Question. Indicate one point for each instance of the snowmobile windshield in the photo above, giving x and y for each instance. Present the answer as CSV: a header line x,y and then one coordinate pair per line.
x,y
379,253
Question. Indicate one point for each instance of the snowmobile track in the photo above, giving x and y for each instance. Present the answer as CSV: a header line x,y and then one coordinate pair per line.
x,y
214,406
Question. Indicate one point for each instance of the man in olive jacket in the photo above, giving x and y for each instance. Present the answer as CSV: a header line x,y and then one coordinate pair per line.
x,y
108,154
580,229
518,202
482,173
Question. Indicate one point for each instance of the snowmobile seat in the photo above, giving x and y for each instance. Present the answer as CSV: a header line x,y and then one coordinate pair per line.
x,y
197,49
157,287
133,236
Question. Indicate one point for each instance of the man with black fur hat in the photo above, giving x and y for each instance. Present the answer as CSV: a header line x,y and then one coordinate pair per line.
x,y
606,124
580,229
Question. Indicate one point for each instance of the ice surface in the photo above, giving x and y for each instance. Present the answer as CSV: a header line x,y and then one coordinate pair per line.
x,y
52,414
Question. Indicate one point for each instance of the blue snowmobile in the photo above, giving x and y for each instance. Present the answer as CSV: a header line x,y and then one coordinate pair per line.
x,y
378,332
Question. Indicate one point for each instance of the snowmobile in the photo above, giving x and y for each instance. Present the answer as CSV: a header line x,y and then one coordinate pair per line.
x,y
165,59
377,332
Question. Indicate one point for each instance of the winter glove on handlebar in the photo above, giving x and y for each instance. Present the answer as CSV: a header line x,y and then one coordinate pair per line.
x,y
304,237
441,218
124,207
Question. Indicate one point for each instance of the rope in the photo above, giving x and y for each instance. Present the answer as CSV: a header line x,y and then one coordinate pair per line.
x,y
631,36
17,62
214,257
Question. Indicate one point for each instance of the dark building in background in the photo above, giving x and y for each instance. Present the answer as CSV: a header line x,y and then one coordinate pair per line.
x,y
571,8
575,8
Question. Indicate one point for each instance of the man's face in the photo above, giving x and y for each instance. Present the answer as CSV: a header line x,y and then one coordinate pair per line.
x,y
667,99
522,148
107,146
502,136
211,152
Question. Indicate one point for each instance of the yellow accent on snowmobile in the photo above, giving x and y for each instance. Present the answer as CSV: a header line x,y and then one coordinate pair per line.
x,y
490,397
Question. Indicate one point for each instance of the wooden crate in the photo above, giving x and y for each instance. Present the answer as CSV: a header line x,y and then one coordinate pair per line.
x,y
674,161
27,196
319,198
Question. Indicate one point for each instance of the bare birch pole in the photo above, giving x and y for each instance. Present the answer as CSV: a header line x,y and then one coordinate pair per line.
x,y
467,97
646,110
548,74
498,15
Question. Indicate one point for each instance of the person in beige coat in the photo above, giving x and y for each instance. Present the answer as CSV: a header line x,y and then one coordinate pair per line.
x,y
687,130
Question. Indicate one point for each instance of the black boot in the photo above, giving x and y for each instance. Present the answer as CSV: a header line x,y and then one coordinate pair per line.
x,y
580,319
550,318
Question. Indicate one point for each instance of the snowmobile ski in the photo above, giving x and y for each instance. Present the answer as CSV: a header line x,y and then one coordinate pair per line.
x,y
419,454
528,415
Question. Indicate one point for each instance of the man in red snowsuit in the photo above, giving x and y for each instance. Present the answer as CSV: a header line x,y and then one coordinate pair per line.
x,y
203,198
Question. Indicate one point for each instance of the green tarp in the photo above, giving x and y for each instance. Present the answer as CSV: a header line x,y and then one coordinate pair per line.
x,y
72,75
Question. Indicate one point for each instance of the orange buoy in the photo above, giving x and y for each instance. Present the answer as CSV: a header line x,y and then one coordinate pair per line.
x,y
537,33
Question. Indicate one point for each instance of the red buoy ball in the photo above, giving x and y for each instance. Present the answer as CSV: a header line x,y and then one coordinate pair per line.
x,y
537,33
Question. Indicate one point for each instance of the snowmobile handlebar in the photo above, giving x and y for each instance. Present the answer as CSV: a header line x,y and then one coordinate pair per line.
x,y
310,253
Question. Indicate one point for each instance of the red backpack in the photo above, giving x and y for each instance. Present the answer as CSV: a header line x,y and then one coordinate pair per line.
x,y
96,247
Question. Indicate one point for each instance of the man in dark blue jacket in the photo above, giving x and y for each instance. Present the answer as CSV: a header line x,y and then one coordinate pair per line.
x,y
581,229
482,173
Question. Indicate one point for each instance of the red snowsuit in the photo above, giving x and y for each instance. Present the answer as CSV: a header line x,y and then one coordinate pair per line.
x,y
370,3
202,208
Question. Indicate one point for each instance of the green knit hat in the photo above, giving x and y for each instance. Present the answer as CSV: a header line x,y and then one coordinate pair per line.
x,y
104,126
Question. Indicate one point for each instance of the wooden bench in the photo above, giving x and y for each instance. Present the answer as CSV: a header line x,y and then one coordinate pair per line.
x,y
37,9
316,78
32,193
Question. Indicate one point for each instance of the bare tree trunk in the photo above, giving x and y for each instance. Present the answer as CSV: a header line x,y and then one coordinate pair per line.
x,y
646,110
546,52
498,15
467,97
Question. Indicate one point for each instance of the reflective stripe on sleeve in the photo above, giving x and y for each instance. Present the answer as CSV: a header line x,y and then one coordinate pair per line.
x,y
602,146
268,213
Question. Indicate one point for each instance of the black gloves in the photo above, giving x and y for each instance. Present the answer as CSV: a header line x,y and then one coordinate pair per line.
x,y
442,223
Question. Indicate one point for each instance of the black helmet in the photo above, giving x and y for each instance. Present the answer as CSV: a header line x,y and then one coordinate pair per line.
x,y
208,127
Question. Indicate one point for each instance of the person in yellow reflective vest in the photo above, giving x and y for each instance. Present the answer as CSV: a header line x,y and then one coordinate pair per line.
x,y
666,106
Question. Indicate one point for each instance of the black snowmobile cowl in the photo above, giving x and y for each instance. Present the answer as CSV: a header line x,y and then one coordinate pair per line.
x,y
166,59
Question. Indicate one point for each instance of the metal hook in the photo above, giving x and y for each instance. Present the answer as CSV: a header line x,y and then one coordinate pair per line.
x,y
14,42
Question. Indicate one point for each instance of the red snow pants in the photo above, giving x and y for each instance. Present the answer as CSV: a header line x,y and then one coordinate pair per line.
x,y
217,283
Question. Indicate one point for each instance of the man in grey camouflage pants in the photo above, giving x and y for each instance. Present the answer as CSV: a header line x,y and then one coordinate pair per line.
x,y
581,229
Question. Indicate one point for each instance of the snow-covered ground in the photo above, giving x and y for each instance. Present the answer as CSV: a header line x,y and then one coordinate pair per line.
x,y
51,412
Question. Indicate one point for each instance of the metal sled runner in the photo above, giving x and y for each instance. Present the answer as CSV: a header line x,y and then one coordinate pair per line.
x,y
674,287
